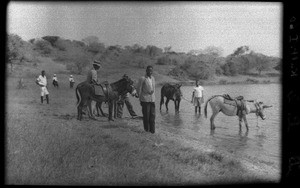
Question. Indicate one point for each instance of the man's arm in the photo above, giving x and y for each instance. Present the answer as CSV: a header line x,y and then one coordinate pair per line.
x,y
37,82
193,94
94,77
153,86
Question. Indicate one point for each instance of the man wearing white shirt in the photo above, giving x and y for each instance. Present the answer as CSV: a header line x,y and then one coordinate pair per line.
x,y
42,82
198,97
146,93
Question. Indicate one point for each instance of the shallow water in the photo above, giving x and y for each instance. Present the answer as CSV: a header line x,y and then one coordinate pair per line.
x,y
262,143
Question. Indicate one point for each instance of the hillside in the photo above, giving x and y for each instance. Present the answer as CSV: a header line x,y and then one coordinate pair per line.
x,y
64,57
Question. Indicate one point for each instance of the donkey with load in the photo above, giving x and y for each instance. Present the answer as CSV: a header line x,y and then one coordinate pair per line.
x,y
234,107
104,92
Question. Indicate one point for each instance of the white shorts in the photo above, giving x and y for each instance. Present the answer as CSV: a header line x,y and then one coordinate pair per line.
x,y
44,91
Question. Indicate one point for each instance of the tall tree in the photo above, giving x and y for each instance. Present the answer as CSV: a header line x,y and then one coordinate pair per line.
x,y
241,50
262,63
213,50
14,49
167,49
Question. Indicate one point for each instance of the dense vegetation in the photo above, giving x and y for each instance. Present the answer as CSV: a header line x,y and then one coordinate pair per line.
x,y
196,64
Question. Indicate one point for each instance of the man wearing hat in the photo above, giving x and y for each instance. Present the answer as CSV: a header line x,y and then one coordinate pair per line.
x,y
71,79
92,77
54,82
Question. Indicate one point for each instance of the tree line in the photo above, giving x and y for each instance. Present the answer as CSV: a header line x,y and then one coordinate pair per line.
x,y
196,64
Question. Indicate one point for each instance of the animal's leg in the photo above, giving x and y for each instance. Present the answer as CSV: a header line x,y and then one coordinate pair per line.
x,y
176,103
110,109
96,110
167,102
212,118
78,113
240,122
245,121
101,111
161,102
115,108
98,106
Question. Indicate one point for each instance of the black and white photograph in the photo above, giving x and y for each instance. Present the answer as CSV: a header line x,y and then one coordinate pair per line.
x,y
143,93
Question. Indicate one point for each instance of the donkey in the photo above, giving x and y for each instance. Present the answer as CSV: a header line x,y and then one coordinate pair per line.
x,y
85,94
233,107
171,92
98,105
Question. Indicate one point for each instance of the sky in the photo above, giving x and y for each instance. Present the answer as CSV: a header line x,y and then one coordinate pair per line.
x,y
182,25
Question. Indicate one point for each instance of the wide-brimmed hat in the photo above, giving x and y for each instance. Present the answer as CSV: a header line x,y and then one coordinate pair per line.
x,y
71,76
97,62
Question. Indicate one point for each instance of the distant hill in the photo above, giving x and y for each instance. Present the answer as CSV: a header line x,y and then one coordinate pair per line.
x,y
75,57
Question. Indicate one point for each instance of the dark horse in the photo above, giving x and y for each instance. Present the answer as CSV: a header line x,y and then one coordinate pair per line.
x,y
85,94
171,92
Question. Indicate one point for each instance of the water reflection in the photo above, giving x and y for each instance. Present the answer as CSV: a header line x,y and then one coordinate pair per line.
x,y
243,136
172,120
260,141
197,122
260,138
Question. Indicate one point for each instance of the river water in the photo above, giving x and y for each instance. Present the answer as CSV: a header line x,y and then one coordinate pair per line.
x,y
261,143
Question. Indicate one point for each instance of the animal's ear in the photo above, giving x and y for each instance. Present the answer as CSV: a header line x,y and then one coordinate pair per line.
x,y
179,85
267,106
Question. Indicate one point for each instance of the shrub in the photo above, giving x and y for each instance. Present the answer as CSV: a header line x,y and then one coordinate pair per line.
x,y
165,60
177,72
219,70
252,81
230,69
140,62
44,47
223,82
51,39
198,69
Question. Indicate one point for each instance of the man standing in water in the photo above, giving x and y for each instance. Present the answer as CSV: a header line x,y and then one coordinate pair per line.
x,y
198,97
42,82
146,93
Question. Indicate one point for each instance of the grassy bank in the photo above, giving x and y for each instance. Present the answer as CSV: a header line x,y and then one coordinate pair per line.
x,y
47,145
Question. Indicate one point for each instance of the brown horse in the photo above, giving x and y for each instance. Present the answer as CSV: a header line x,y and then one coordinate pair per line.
x,y
171,92
234,107
85,94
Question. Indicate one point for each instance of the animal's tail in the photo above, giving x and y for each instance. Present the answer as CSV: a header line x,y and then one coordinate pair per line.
x,y
78,96
205,108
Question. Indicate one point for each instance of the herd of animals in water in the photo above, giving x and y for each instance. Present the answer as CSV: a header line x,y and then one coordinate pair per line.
x,y
229,106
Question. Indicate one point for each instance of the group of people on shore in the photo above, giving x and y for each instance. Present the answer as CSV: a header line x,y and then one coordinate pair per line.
x,y
145,93
55,81
42,82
